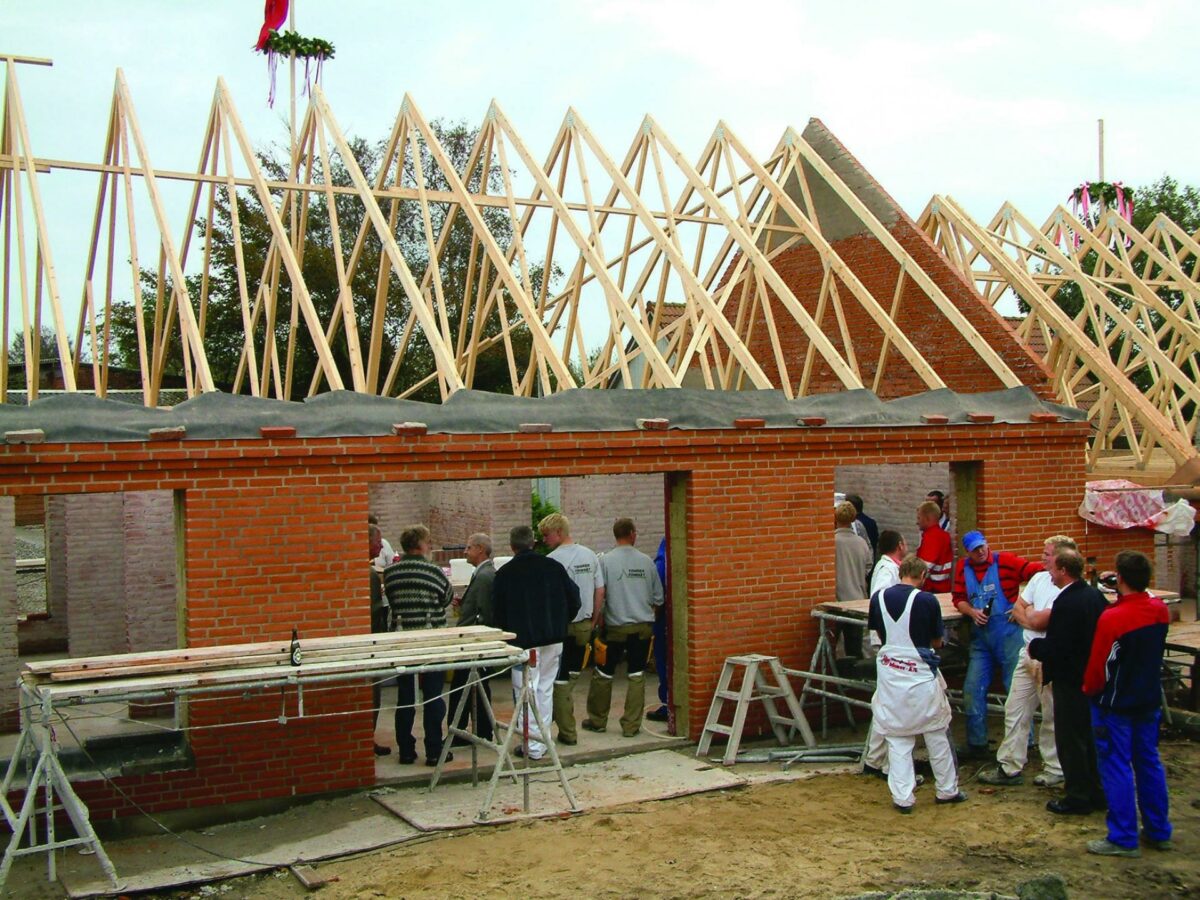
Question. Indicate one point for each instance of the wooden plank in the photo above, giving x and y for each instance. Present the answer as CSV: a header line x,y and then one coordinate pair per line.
x,y
383,654
340,641
260,677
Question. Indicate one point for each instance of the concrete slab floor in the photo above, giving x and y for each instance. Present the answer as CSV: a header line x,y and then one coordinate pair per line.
x,y
591,746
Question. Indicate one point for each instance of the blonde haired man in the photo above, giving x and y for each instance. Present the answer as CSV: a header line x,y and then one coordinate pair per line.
x,y
583,567
1032,613
852,569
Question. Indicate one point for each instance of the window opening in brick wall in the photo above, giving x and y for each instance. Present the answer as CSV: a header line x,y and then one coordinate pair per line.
x,y
454,510
95,575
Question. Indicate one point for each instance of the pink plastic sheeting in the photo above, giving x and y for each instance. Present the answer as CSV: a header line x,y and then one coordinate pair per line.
x,y
1122,504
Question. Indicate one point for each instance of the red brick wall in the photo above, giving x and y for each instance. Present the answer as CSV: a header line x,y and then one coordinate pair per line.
x,y
274,538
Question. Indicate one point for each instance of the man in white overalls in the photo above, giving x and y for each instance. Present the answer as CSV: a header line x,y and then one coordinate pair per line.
x,y
910,693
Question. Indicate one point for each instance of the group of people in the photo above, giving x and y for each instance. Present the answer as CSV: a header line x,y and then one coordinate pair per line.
x,y
558,605
1093,668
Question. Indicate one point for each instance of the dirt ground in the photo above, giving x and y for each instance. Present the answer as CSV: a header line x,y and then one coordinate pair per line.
x,y
829,836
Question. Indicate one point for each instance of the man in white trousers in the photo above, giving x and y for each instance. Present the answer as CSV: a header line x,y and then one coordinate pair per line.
x,y
910,694
1026,692
892,550
535,598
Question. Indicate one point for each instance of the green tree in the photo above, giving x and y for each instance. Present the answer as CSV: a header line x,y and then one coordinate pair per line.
x,y
223,325
47,343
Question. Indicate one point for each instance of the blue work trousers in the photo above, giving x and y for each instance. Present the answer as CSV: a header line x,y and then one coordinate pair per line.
x,y
1127,754
433,712
995,646
660,655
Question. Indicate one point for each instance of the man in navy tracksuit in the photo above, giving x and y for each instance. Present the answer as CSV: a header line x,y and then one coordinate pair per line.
x,y
1123,681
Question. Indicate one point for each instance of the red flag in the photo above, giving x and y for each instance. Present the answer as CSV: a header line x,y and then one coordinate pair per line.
x,y
274,15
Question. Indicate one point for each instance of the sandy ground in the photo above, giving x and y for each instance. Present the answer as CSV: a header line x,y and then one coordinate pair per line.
x,y
828,836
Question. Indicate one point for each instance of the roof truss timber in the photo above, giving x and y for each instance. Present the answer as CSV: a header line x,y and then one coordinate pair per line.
x,y
1130,355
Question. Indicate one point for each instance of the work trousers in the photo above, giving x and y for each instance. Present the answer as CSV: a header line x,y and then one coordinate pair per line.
x,y
1132,775
1076,747
660,654
543,666
1025,693
876,753
473,709
902,780
630,642
574,648
433,712
993,648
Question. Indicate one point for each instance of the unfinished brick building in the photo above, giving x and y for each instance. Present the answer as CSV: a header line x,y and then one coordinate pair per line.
x,y
796,274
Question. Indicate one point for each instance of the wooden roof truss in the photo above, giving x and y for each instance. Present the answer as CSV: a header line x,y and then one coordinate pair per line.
x,y
1129,355
594,250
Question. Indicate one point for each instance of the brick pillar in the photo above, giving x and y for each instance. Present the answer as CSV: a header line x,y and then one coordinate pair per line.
x,y
56,567
95,574
151,616
150,604
9,663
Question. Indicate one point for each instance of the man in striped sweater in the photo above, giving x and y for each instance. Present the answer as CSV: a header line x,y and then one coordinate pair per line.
x,y
418,592
985,590
1123,679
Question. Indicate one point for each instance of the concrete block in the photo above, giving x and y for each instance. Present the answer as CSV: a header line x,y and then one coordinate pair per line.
x,y
28,436
653,424
535,427
409,429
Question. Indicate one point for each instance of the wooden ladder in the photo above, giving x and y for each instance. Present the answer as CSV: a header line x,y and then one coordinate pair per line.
x,y
754,687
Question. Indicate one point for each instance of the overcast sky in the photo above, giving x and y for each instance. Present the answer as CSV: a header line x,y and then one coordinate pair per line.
x,y
985,102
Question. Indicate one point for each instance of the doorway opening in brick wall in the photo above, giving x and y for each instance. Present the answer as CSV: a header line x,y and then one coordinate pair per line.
x,y
95,575
455,510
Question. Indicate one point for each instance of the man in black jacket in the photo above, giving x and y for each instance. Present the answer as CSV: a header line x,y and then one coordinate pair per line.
x,y
1064,655
535,598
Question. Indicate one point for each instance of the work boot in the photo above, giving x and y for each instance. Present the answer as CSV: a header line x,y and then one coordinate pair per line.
x,y
599,701
564,712
1000,777
635,704
1105,847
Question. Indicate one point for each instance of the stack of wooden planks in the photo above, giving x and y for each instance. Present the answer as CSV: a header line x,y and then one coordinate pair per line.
x,y
269,662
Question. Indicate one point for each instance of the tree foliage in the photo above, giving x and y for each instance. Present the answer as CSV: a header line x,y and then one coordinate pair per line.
x,y
223,322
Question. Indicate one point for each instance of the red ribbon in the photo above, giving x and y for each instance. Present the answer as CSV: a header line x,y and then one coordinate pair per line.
x,y
274,15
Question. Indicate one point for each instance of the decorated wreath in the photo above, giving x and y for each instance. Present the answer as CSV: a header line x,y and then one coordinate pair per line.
x,y
1110,194
289,44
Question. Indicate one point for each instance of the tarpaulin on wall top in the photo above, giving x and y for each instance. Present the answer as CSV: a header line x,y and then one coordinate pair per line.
x,y
84,417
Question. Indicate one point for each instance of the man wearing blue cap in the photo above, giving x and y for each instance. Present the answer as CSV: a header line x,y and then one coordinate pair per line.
x,y
985,590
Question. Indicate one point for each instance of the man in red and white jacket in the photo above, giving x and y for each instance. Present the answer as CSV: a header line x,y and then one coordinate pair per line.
x,y
1123,680
935,548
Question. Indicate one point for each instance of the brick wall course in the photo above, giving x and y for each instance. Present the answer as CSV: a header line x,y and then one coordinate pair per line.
x,y
274,538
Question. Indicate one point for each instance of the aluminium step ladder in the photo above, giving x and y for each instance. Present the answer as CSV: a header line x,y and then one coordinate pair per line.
x,y
754,688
